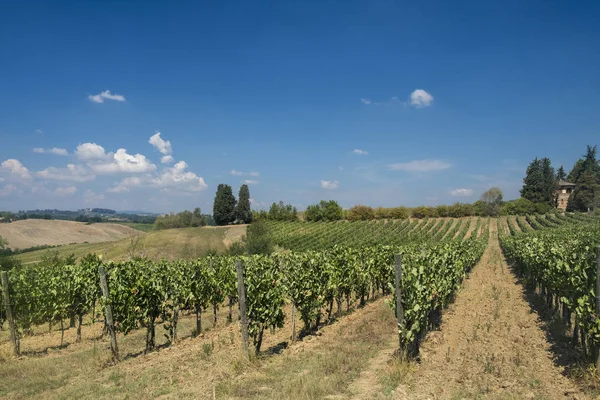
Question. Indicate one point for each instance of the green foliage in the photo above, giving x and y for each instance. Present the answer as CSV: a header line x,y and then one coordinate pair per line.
x,y
586,176
562,260
442,211
392,213
360,213
424,212
492,201
243,213
184,219
224,206
586,195
324,211
3,243
561,175
523,206
539,182
257,239
458,210
278,212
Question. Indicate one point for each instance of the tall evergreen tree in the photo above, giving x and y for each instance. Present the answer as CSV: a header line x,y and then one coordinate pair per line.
x,y
576,171
224,206
561,175
549,181
533,183
586,195
243,213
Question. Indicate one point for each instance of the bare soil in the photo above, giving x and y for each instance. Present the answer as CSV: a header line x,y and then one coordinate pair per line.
x,y
38,232
491,344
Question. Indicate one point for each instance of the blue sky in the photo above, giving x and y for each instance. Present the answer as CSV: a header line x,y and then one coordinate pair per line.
x,y
441,99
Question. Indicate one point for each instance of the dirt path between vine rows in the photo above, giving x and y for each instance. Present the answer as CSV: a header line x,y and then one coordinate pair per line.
x,y
491,345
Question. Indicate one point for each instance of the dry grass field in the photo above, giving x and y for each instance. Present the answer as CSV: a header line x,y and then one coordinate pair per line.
x,y
170,244
38,232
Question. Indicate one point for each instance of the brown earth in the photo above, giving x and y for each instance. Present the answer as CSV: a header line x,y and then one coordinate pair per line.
x,y
37,232
491,344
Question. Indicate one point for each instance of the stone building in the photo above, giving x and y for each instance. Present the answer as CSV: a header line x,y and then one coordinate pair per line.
x,y
563,193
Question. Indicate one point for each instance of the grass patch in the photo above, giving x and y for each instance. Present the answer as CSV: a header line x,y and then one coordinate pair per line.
x,y
184,243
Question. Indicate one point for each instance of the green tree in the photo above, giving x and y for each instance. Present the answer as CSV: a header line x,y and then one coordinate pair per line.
x,y
539,182
3,243
360,213
324,211
258,240
280,212
561,175
492,200
224,205
576,171
243,213
586,195
197,218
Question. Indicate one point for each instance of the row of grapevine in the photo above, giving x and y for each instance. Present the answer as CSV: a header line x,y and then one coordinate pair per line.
x,y
302,236
561,264
144,293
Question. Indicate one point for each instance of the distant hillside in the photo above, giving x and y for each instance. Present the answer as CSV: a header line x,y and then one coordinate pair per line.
x,y
186,243
38,232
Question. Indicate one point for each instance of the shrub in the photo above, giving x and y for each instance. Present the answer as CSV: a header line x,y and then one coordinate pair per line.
x,y
360,213
324,211
423,212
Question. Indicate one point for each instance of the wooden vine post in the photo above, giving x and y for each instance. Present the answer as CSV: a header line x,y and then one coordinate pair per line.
x,y
597,301
9,316
293,323
243,311
399,308
110,325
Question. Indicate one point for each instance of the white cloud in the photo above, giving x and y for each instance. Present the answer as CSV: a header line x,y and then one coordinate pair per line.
x,y
16,169
420,166
164,146
461,192
111,163
73,173
55,150
365,101
250,182
240,173
420,98
65,191
39,131
167,159
92,198
8,190
123,162
360,152
341,168
90,152
106,95
178,177
330,184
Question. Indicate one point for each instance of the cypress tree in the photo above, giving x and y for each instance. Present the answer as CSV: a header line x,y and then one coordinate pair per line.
x,y
561,174
224,206
533,183
586,195
243,212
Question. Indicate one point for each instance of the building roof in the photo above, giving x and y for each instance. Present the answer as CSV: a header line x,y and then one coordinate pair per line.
x,y
565,183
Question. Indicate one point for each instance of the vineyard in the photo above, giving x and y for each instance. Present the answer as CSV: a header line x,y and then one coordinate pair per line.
x,y
145,294
558,257
322,272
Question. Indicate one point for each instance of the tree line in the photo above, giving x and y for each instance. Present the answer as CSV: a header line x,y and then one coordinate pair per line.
x,y
541,182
